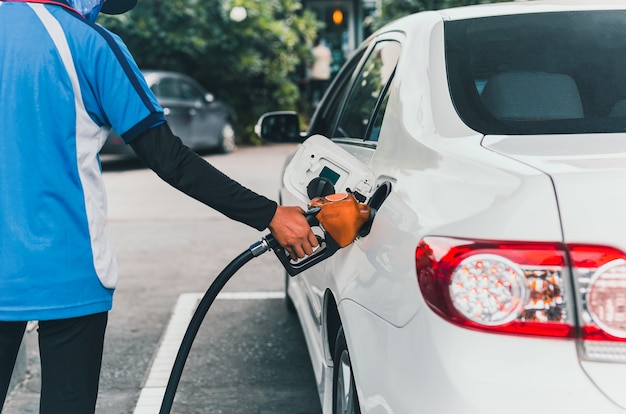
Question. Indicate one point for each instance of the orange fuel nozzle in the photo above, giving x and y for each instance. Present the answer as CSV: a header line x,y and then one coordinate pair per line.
x,y
341,216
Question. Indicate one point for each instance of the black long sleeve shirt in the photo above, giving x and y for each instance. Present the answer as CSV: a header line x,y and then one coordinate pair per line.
x,y
183,169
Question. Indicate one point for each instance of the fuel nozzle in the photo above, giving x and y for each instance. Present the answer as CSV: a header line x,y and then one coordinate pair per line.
x,y
340,217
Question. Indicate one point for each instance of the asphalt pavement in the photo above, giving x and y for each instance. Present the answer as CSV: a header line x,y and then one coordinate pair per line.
x,y
249,355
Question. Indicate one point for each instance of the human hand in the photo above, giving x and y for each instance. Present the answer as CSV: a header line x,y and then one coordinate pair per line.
x,y
291,230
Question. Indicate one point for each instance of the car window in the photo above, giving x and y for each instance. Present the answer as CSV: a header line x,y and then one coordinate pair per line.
x,y
539,73
167,88
326,116
190,92
367,92
374,129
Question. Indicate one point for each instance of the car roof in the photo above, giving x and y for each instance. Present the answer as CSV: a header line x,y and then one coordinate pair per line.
x,y
151,75
160,73
406,24
534,6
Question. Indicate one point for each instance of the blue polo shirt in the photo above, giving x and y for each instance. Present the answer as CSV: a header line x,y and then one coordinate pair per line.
x,y
64,82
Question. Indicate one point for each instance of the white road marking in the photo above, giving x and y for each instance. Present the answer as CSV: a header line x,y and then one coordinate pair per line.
x,y
250,295
152,393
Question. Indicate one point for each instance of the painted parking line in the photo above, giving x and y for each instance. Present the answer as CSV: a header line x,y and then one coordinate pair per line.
x,y
152,393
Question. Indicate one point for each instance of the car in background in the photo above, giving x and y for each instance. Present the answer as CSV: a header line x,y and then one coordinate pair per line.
x,y
491,141
193,114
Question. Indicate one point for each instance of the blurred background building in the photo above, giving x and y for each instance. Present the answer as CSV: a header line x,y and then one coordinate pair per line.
x,y
345,24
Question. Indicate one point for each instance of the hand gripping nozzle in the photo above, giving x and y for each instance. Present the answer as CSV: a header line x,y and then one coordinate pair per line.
x,y
340,217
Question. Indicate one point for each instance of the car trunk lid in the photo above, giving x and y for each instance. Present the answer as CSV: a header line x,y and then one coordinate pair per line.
x,y
588,173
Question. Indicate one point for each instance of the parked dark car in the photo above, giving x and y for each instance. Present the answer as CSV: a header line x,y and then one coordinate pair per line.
x,y
193,114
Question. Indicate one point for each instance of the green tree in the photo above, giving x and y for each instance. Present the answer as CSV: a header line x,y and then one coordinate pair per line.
x,y
249,64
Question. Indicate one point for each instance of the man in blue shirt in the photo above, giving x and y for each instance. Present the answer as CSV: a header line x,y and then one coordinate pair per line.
x,y
64,82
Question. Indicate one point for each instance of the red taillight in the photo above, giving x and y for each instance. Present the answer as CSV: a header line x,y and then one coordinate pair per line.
x,y
600,275
522,288
506,287
529,289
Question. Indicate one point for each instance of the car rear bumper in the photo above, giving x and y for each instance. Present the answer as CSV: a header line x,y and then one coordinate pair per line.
x,y
430,365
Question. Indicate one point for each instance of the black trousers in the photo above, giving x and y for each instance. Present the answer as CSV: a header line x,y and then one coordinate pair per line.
x,y
71,357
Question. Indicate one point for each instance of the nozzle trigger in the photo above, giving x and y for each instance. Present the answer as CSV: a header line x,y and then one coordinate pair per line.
x,y
311,215
327,247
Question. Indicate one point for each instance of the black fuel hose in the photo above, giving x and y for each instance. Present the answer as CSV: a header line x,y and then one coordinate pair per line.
x,y
203,307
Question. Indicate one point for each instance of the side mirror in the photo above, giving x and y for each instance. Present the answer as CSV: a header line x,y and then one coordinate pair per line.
x,y
281,126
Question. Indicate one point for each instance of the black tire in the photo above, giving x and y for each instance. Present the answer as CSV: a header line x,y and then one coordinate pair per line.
x,y
345,399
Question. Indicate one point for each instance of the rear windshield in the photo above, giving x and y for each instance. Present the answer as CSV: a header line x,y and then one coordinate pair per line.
x,y
542,73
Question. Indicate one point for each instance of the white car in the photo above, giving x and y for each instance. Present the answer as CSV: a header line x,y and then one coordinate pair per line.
x,y
492,141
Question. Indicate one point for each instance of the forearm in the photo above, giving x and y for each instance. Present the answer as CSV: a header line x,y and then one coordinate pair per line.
x,y
182,168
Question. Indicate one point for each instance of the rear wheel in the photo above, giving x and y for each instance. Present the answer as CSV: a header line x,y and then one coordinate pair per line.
x,y
228,141
345,400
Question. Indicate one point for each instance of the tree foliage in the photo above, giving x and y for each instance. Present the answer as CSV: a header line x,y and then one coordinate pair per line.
x,y
249,64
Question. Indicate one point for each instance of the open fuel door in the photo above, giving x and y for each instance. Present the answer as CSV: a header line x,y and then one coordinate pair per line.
x,y
320,167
